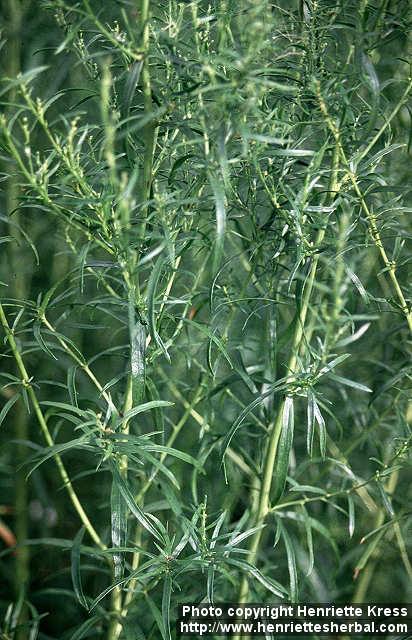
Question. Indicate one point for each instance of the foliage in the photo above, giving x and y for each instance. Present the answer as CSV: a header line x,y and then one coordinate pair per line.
x,y
206,309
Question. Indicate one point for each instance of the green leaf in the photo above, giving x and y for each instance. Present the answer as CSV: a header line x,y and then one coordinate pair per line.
x,y
270,584
310,422
322,429
220,207
358,284
189,533
157,616
237,539
354,336
58,449
140,515
293,153
279,386
71,385
66,407
308,488
119,513
83,630
386,500
309,540
167,590
178,163
217,528
213,338
351,515
333,363
137,357
377,157
284,449
369,550
316,526
40,340
146,406
290,554
153,395
24,78
75,568
149,569
7,406
130,87
151,303
162,468
350,383
176,453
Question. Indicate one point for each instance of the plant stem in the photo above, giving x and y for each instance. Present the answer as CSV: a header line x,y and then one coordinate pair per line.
x,y
276,427
118,604
390,265
386,124
367,574
201,421
139,499
149,131
26,383
82,365
115,627
149,135
42,191
19,286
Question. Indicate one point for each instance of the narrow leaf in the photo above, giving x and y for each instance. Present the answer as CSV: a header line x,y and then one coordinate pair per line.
x,y
350,383
322,430
167,590
351,513
75,568
119,514
7,406
131,503
310,423
40,341
309,540
146,406
290,553
284,448
220,207
137,356
151,303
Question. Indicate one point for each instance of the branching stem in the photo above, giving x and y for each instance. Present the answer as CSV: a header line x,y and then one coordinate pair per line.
x,y
390,265
26,382
276,427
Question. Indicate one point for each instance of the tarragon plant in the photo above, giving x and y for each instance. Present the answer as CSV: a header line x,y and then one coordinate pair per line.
x,y
205,309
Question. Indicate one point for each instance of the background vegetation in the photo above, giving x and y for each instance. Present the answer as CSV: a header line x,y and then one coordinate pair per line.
x,y
205,308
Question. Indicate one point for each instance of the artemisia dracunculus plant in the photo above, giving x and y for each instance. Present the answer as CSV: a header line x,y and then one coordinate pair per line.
x,y
206,309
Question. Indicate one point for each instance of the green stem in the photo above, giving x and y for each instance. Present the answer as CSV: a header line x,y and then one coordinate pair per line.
x,y
19,287
118,603
201,421
390,265
136,556
386,124
26,382
115,627
149,131
276,427
55,209
80,362
367,574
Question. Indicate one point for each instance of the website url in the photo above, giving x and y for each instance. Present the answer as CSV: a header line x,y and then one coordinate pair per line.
x,y
307,627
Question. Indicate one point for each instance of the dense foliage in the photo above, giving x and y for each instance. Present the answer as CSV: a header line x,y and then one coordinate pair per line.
x,y
206,309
